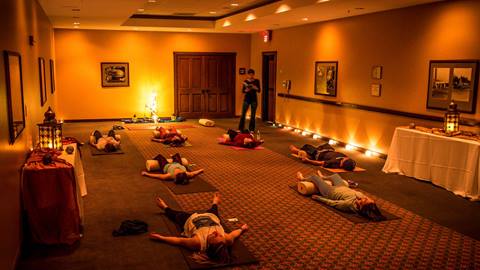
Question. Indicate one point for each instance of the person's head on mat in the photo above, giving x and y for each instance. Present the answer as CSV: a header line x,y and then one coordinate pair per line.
x,y
110,147
217,249
181,178
368,208
347,163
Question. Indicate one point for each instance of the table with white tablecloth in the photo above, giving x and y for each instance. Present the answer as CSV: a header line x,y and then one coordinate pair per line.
x,y
449,162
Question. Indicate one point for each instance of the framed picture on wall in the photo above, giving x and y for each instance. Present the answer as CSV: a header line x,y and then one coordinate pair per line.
x,y
326,78
115,74
377,72
52,76
42,80
14,86
452,80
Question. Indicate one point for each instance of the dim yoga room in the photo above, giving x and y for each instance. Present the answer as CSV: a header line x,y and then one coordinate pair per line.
x,y
239,134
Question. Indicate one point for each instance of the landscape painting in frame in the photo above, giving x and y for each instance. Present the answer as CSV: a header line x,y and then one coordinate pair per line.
x,y
115,74
326,78
453,81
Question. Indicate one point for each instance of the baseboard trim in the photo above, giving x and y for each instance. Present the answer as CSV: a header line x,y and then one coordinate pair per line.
x,y
92,120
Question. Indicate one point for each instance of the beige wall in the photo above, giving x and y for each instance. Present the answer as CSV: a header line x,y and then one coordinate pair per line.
x,y
19,19
150,55
402,41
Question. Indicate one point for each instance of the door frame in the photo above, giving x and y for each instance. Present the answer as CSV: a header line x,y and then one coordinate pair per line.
x,y
175,84
265,93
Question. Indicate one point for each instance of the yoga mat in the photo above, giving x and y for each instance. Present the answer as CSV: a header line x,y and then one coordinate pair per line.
x,y
222,142
355,218
153,126
196,185
186,144
241,255
357,169
96,152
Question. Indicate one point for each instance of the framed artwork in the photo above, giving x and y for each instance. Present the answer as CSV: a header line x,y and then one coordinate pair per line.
x,y
14,86
115,74
52,76
453,80
326,78
43,82
377,72
376,89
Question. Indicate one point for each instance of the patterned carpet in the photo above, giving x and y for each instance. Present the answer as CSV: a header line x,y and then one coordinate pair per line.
x,y
288,231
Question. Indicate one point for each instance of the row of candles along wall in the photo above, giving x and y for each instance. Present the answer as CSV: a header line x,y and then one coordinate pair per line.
x,y
315,136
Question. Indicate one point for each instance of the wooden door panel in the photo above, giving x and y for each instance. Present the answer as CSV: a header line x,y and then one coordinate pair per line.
x,y
205,85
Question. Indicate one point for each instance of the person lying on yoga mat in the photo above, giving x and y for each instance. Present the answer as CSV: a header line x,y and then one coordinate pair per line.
x,y
203,233
173,170
243,139
341,197
108,143
323,155
170,136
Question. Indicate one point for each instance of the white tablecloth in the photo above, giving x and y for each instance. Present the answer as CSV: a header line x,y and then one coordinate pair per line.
x,y
445,161
76,161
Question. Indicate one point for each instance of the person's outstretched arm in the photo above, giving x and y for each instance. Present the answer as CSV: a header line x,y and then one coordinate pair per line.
x,y
313,162
190,243
158,140
164,176
230,237
194,173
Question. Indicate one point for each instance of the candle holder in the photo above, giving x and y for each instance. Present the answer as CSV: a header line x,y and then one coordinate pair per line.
x,y
452,119
50,132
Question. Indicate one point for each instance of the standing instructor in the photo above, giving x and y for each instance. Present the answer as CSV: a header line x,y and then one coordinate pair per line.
x,y
250,87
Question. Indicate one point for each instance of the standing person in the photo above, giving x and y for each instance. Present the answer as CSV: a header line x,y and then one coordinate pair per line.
x,y
251,87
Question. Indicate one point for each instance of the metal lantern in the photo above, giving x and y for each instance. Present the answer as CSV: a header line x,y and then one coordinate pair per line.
x,y
50,132
452,118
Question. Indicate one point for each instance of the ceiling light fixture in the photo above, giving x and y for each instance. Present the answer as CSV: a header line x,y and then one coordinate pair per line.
x,y
141,10
250,17
76,23
212,12
322,1
305,19
152,1
76,26
283,8
226,23
234,4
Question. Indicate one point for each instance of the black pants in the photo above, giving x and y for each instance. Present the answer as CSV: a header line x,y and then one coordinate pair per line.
x,y
162,161
97,134
312,151
253,109
180,217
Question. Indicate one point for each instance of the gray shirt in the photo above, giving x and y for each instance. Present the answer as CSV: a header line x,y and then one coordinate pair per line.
x,y
341,198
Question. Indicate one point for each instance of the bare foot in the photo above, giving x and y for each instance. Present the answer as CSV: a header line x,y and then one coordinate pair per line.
x,y
144,173
216,198
293,149
161,203
300,176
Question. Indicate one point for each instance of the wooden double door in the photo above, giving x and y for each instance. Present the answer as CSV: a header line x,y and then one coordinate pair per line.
x,y
205,85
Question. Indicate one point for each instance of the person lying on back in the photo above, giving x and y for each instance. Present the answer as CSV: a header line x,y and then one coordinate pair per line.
x,y
170,136
241,139
323,155
172,170
108,143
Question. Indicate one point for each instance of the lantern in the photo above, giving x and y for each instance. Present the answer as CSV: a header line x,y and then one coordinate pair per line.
x,y
452,118
50,132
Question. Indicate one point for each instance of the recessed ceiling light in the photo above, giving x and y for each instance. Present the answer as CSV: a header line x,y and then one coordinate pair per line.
x,y
250,17
305,19
234,4
152,1
76,26
283,8
226,23
322,1
212,12
141,10
76,23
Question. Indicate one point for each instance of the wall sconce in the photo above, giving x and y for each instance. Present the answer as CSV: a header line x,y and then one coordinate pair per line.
x,y
452,119
332,142
50,132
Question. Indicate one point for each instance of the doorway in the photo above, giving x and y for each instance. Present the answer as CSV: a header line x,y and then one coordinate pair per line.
x,y
204,85
269,79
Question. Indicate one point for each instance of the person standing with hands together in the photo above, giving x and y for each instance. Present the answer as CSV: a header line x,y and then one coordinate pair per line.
x,y
251,87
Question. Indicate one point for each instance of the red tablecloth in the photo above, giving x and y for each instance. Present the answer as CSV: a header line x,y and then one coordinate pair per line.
x,y
49,199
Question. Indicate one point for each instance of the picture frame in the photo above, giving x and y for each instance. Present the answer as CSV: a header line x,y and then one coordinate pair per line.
x,y
453,80
52,76
42,81
326,78
377,72
115,74
15,97
376,89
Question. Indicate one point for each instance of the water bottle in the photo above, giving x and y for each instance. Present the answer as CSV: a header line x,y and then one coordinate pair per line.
x,y
258,135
